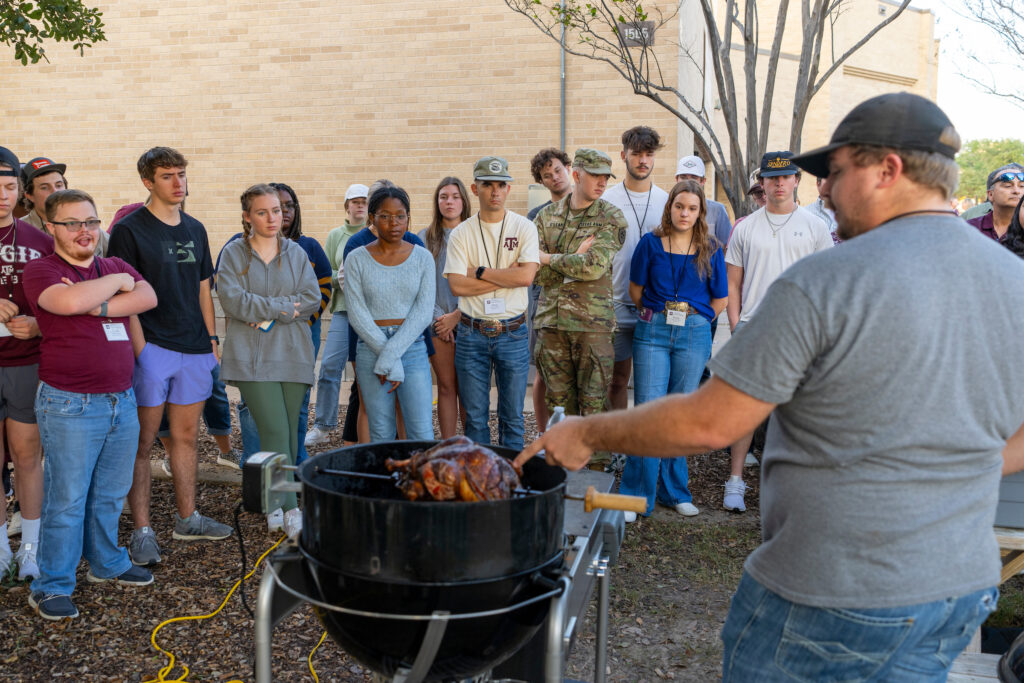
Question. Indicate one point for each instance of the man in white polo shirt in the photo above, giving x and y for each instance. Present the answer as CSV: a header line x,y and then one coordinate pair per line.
x,y
491,261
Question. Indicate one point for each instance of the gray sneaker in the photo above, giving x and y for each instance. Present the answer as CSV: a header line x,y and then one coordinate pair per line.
x,y
232,459
6,560
143,548
195,527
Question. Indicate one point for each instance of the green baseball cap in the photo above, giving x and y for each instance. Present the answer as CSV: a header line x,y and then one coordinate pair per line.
x,y
491,168
593,161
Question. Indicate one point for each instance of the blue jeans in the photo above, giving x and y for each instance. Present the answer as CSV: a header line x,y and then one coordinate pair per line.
x,y
216,410
314,330
769,638
329,383
90,442
415,393
667,359
508,356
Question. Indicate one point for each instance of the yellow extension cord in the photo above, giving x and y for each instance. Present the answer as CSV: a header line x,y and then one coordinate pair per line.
x,y
161,675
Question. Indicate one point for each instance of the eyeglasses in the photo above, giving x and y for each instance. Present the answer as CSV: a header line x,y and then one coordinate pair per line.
x,y
398,218
75,226
1008,178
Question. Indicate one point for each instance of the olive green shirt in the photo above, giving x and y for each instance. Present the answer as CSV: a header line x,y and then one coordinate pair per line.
x,y
576,289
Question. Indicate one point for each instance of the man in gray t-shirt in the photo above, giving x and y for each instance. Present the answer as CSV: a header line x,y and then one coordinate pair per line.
x,y
897,401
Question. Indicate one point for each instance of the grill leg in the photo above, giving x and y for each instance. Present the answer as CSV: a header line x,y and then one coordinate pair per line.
x,y
264,628
428,651
554,657
601,643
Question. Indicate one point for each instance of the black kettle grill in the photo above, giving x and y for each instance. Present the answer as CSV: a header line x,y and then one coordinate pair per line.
x,y
435,591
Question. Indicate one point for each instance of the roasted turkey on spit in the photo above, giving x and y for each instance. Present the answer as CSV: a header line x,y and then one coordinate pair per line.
x,y
455,469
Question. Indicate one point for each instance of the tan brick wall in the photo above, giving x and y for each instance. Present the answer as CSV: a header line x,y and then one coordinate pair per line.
x,y
320,94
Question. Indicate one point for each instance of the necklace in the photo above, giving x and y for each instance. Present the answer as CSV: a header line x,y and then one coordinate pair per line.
x,y
776,227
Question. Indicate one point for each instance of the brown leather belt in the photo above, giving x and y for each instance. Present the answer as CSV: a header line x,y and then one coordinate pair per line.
x,y
492,328
393,322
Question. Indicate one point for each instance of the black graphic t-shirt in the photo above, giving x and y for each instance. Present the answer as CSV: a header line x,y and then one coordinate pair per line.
x,y
174,259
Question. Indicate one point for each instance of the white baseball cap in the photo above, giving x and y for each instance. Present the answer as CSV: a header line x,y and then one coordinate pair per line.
x,y
356,191
690,165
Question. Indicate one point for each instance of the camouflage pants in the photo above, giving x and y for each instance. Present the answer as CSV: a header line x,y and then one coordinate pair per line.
x,y
577,369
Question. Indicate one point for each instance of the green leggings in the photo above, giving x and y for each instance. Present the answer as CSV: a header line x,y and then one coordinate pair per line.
x,y
274,407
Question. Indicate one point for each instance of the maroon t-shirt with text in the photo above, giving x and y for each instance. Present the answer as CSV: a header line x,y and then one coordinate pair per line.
x,y
76,354
19,244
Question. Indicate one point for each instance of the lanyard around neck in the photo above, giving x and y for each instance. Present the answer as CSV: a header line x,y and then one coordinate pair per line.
x,y
497,245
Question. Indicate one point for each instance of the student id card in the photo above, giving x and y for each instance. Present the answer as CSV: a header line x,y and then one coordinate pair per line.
x,y
676,318
494,306
115,331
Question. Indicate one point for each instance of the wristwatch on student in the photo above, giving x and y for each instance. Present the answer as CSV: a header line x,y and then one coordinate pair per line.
x,y
480,273
214,338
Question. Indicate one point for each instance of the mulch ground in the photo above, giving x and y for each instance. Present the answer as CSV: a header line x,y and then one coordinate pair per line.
x,y
670,591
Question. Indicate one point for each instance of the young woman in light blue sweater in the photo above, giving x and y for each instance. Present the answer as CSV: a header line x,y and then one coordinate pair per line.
x,y
268,291
389,287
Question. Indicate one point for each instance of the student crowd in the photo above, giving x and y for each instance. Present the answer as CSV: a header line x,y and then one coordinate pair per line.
x,y
110,342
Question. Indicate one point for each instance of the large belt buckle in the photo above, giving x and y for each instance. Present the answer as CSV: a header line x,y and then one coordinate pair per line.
x,y
676,306
491,328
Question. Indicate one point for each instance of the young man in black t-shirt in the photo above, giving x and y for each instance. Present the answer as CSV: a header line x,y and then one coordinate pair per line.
x,y
175,344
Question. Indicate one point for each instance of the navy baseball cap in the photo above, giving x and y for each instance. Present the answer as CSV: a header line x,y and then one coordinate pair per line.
x,y
9,158
899,120
777,163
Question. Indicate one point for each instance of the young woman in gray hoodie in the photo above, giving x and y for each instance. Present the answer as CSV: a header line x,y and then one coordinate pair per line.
x,y
268,290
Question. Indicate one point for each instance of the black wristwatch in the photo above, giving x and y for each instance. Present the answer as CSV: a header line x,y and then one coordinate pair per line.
x,y
214,338
480,273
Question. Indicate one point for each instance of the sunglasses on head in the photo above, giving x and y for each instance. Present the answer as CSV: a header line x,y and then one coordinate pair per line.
x,y
1008,177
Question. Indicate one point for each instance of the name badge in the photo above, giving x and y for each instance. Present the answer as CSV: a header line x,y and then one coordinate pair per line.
x,y
4,332
494,306
115,331
677,318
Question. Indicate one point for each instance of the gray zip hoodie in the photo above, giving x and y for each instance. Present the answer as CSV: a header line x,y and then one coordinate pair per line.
x,y
267,292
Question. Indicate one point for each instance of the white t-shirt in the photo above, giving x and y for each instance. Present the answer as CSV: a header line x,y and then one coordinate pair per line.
x,y
643,212
764,250
474,243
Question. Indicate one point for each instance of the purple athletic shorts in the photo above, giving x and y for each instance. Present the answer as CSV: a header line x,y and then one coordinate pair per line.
x,y
163,376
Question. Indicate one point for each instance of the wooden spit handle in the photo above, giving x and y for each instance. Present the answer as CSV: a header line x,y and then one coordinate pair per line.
x,y
613,501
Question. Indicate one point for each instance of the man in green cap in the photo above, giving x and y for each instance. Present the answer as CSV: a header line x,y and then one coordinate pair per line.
x,y
575,320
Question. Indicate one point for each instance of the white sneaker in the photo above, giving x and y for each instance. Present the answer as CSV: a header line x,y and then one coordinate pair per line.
x,y
26,559
316,436
687,509
293,522
166,466
750,460
630,516
5,560
275,520
14,526
734,491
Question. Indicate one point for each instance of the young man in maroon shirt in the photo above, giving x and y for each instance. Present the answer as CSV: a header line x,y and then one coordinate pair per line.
x,y
19,365
88,420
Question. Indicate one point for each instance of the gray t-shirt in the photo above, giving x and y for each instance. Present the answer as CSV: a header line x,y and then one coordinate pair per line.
x,y
897,377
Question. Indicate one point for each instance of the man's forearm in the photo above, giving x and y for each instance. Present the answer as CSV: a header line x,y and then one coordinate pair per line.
x,y
509,278
466,286
206,306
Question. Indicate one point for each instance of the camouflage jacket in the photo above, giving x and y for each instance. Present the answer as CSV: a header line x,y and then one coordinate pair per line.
x,y
576,294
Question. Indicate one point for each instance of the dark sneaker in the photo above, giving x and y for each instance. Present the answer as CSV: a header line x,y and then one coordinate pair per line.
x,y
52,607
143,548
232,459
195,527
133,576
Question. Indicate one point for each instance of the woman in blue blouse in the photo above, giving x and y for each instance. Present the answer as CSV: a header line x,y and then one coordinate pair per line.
x,y
678,282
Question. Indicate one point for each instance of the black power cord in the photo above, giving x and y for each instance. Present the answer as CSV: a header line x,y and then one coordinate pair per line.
x,y
241,548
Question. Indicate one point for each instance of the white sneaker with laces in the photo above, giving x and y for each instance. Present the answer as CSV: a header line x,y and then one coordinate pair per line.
x,y
275,520
26,559
734,492
316,436
687,509
5,560
293,522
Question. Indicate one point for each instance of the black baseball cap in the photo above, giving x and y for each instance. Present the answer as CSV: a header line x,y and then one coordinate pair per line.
x,y
777,163
9,158
40,166
899,120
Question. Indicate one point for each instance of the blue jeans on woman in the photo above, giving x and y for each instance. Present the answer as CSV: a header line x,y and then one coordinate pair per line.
x,y
415,393
768,638
251,436
90,442
508,356
329,383
667,359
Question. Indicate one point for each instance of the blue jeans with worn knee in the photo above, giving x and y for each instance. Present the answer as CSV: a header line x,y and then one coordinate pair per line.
x,y
768,638
667,359
329,383
90,442
415,393
508,356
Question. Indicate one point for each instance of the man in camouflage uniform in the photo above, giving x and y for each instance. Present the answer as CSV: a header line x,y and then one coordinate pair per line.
x,y
575,320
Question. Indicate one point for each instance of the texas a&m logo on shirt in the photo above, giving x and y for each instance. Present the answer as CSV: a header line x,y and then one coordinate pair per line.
x,y
511,243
